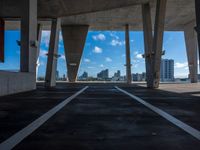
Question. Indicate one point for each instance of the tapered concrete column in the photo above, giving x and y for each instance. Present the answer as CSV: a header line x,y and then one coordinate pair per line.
x,y
74,37
148,42
191,47
128,57
50,79
158,40
197,28
39,36
28,36
2,28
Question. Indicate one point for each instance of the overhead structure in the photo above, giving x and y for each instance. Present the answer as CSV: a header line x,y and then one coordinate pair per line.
x,y
74,37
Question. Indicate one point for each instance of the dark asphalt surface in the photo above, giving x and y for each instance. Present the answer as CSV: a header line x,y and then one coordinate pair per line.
x,y
100,118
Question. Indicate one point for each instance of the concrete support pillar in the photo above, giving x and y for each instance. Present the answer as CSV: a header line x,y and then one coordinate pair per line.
x,y
158,40
2,28
156,52
191,47
28,36
50,79
128,57
74,37
39,36
197,28
148,42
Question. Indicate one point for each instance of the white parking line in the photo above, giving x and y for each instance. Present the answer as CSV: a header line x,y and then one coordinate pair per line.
x,y
22,134
194,132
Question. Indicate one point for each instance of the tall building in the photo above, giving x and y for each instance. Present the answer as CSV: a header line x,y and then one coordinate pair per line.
x,y
84,76
57,75
117,74
103,74
167,70
139,77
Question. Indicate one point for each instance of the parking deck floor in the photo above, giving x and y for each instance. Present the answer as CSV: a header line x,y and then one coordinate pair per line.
x,y
101,117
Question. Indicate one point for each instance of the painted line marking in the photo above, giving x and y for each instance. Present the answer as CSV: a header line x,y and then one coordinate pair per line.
x,y
22,134
192,131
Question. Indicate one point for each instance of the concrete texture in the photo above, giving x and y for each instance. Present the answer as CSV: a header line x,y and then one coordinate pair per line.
x,y
74,37
101,118
50,77
28,52
104,15
128,55
148,42
16,82
191,48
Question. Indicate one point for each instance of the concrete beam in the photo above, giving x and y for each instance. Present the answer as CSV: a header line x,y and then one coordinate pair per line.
x,y
148,42
158,40
28,36
191,47
128,57
2,29
50,79
74,37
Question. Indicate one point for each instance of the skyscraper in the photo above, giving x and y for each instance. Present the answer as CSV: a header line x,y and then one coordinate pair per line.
x,y
103,74
167,70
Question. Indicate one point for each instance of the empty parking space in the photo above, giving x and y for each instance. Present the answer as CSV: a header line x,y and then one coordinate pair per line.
x,y
104,118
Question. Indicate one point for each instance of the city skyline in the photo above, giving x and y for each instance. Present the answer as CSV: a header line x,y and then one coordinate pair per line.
x,y
102,50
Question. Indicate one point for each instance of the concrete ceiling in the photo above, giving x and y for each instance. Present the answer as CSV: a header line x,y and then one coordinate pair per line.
x,y
105,14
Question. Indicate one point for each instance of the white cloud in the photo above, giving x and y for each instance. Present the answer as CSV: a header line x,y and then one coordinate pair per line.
x,y
43,53
97,49
116,42
90,67
87,60
62,57
139,56
181,65
100,37
45,38
113,34
101,65
108,59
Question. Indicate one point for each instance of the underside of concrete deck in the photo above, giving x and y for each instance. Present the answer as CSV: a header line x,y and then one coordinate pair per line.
x,y
102,117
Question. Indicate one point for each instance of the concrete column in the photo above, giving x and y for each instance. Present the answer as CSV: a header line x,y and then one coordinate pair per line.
x,y
191,47
197,28
28,36
74,37
128,57
148,42
2,28
39,36
50,79
158,40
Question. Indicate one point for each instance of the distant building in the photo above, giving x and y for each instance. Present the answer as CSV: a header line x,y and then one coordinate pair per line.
x,y
117,74
139,77
84,76
104,74
167,70
57,75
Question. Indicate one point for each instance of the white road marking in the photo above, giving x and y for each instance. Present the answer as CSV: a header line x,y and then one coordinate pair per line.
x,y
22,134
192,131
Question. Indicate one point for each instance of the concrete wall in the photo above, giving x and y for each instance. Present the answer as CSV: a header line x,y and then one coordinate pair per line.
x,y
15,82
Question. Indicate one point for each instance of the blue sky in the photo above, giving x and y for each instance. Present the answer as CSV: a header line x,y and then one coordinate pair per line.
x,y
103,50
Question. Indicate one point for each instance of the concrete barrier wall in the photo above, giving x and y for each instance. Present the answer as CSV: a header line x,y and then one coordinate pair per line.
x,y
16,82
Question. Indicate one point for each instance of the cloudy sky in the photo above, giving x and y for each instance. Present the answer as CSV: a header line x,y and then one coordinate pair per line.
x,y
103,50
